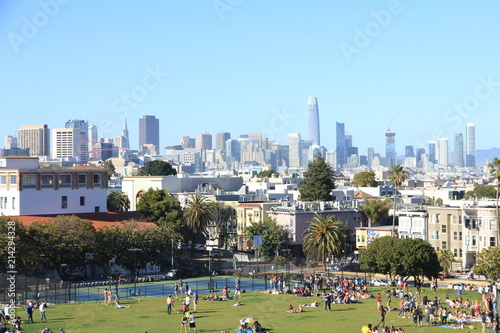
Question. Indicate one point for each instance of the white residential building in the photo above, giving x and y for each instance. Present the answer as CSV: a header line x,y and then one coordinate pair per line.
x,y
25,189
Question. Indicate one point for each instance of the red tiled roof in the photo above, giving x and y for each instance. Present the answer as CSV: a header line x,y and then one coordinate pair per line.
x,y
99,220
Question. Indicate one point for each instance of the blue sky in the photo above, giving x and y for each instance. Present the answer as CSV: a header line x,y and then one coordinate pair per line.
x,y
246,66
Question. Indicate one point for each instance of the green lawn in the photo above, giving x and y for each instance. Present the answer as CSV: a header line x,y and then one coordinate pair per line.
x,y
213,316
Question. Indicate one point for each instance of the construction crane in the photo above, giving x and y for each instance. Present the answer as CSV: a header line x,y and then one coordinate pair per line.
x,y
390,124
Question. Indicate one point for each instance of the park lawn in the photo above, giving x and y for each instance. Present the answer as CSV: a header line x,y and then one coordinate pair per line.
x,y
213,316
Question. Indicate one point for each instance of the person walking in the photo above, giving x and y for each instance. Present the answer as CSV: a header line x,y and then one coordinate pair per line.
x,y
170,303
29,311
381,322
192,323
184,323
195,300
42,308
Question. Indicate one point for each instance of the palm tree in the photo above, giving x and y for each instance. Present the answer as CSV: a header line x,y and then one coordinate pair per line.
x,y
375,210
445,258
325,236
197,215
118,201
397,177
495,172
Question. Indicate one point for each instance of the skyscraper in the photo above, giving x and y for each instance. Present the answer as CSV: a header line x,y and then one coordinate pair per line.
x,y
36,138
409,151
220,139
442,151
312,130
459,150
341,144
295,150
70,142
126,142
470,149
204,141
390,148
432,152
77,123
149,131
370,155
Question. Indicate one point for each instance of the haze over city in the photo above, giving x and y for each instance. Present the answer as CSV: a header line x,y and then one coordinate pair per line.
x,y
423,70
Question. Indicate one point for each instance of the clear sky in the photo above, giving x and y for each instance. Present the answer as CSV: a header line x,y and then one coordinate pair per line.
x,y
249,65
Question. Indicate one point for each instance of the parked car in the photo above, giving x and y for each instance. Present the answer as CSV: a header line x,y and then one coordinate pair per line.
x,y
379,282
334,267
172,274
352,267
459,286
411,283
197,247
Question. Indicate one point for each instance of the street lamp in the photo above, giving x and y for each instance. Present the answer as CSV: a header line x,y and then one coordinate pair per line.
x,y
42,256
135,250
69,281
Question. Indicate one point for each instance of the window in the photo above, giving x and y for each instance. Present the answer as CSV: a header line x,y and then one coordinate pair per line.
x,y
97,209
97,179
437,218
493,225
460,219
474,241
460,252
460,236
492,241
455,252
455,236
64,202
13,202
1,202
82,180
29,181
47,180
3,179
13,179
64,180
443,228
82,201
443,245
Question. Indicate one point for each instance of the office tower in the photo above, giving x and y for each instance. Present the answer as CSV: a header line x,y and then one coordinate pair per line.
x,y
149,131
77,123
459,150
341,145
93,139
470,149
370,155
390,148
442,151
348,143
10,142
36,138
104,151
70,142
409,152
304,159
255,137
419,153
363,160
187,142
312,130
432,152
220,139
125,141
295,150
204,141
331,158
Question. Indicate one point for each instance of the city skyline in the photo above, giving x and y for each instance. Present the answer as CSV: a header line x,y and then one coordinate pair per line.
x,y
199,69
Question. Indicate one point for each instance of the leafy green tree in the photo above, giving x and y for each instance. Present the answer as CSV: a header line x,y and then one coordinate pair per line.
x,y
364,179
157,168
404,257
273,236
488,263
445,258
438,202
397,177
479,192
318,181
324,237
375,210
279,261
162,208
495,172
267,173
118,201
110,167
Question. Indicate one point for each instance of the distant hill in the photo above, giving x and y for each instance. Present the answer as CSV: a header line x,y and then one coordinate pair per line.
x,y
486,155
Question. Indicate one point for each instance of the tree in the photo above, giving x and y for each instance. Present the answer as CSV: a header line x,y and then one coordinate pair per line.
x,y
318,181
488,263
479,192
273,236
219,216
118,201
405,257
324,237
397,177
364,179
445,258
495,172
162,208
267,173
375,210
157,168
197,215
109,166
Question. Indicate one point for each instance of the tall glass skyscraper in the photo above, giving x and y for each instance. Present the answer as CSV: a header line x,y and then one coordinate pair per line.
x,y
312,130
390,148
470,148
459,150
341,145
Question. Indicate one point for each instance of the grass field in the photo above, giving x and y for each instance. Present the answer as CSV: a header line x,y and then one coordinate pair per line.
x,y
213,316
